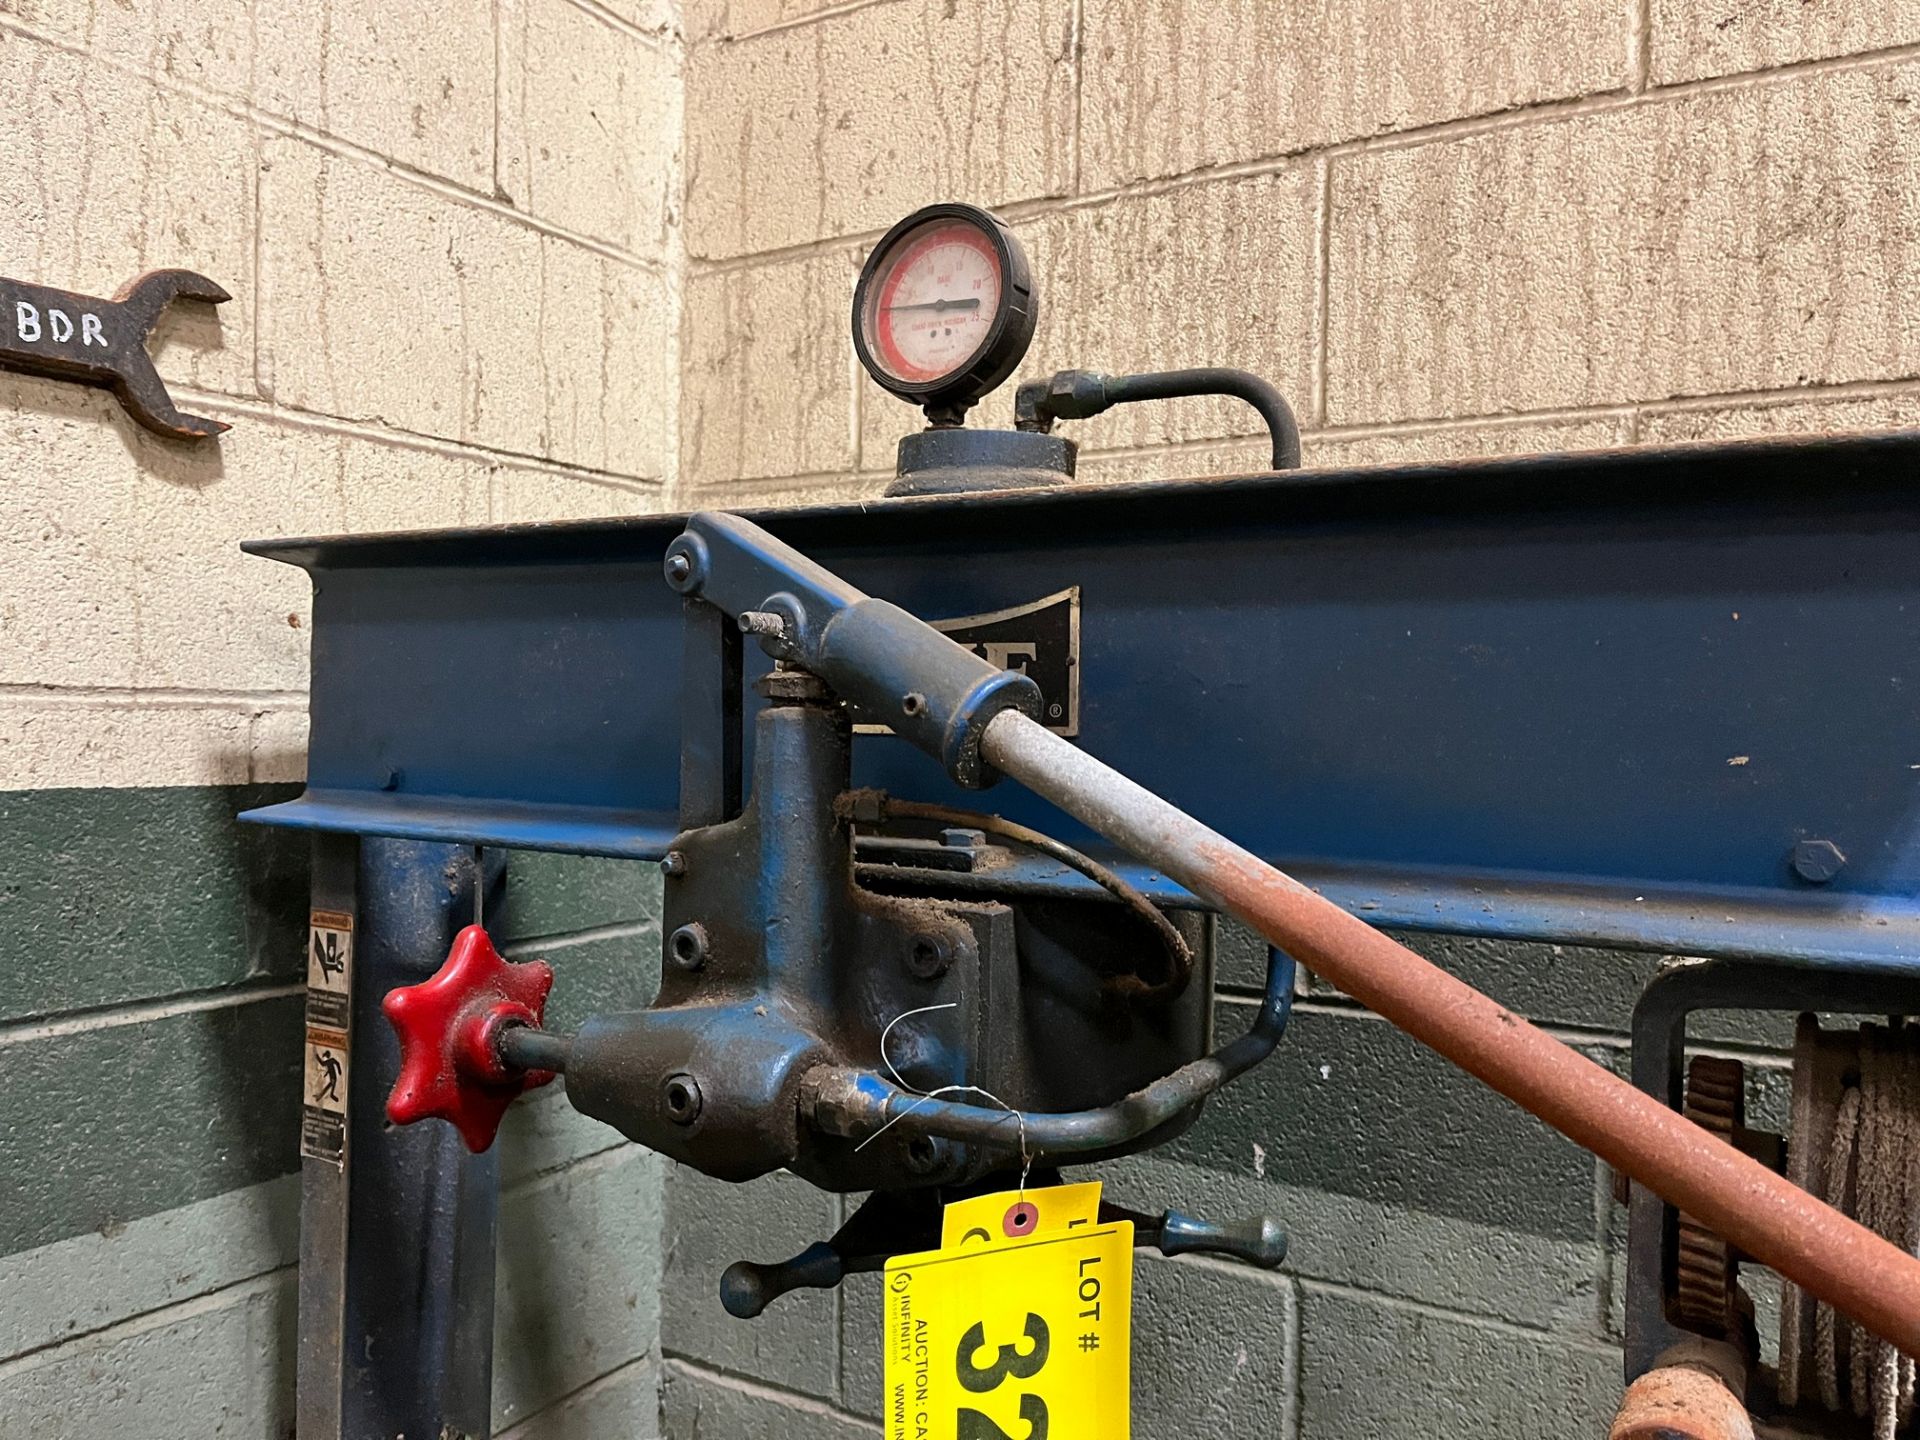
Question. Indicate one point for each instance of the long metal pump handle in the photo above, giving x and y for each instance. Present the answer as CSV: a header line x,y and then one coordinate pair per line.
x,y
980,722
1766,1215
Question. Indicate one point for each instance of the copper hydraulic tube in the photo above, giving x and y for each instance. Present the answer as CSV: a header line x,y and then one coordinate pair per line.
x,y
1766,1215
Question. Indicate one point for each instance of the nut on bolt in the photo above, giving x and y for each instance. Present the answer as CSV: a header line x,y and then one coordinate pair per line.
x,y
680,1094
673,863
688,946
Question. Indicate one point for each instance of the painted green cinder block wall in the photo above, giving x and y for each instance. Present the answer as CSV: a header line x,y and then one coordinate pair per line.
x,y
149,1091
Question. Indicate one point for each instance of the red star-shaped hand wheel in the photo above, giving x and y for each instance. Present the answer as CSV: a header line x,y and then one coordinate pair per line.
x,y
449,1027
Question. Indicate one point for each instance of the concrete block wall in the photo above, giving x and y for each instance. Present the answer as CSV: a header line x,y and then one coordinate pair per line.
x,y
501,260
451,236
1443,229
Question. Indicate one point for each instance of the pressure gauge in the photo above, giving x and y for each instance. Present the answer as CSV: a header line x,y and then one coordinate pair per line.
x,y
944,309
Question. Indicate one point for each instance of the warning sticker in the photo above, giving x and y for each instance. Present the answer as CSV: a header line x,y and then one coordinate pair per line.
x,y
323,1113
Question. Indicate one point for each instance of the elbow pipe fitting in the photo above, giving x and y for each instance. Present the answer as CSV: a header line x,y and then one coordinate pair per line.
x,y
1081,394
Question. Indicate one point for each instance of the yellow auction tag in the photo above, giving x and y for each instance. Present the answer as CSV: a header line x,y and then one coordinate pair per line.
x,y
996,1219
1018,1340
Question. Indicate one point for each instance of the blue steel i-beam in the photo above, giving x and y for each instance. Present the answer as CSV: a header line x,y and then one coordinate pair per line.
x,y
1599,697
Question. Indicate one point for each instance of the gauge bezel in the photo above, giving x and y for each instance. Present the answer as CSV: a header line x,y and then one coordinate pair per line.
x,y
997,356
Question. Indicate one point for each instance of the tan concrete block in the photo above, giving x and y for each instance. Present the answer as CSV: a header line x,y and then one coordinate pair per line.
x,y
69,533
849,122
1808,415
1176,85
1136,467
1219,273
413,82
214,618
56,743
203,44
1421,444
389,303
523,495
108,176
1323,451
1694,39
119,552
766,388
733,19
818,490
589,124
1719,241
278,747
59,18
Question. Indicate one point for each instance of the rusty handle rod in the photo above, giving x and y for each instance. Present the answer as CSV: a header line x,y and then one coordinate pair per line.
x,y
1812,1244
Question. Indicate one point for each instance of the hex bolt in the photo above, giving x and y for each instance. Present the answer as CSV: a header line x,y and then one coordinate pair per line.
x,y
1817,861
679,567
680,1093
673,863
688,946
957,838
913,702
928,956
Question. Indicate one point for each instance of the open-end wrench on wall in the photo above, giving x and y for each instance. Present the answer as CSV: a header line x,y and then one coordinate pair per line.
x,y
68,336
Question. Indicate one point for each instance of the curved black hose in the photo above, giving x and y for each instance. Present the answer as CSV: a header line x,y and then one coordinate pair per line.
x,y
1179,953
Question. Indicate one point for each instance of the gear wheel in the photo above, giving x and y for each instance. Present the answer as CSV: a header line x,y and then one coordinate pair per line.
x,y
1706,1269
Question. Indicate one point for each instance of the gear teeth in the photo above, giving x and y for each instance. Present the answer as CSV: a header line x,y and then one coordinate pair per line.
x,y
1706,1271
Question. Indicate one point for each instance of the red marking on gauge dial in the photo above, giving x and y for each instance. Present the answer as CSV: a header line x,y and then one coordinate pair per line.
x,y
934,301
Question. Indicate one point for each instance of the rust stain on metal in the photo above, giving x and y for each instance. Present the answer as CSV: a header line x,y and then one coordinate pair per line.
x,y
64,335
1680,1402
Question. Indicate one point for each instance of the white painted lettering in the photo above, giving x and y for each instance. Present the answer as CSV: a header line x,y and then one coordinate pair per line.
x,y
59,324
1009,654
90,331
26,321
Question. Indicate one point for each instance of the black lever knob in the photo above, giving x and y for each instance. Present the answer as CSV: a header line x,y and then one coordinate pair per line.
x,y
746,1288
1258,1240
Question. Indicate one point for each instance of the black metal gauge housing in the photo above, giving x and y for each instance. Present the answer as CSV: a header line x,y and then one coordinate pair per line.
x,y
944,310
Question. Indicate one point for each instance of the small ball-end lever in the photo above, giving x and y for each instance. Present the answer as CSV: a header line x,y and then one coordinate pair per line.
x,y
1258,1240
747,1288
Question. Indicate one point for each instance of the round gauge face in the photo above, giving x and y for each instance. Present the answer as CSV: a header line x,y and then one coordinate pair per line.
x,y
932,301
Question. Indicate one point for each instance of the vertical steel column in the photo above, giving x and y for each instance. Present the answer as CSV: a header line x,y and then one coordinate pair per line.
x,y
397,1247
323,1193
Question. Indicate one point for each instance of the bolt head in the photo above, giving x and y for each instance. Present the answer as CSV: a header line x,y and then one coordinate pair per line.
x,y
1817,861
681,1097
687,946
928,956
673,863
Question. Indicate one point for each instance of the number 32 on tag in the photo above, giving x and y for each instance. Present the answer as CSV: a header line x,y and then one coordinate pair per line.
x,y
1021,1341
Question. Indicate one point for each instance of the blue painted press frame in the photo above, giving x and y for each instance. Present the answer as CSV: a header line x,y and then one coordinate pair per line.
x,y
1593,697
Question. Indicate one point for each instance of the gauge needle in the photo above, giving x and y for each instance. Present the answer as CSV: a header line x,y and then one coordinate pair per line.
x,y
972,302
